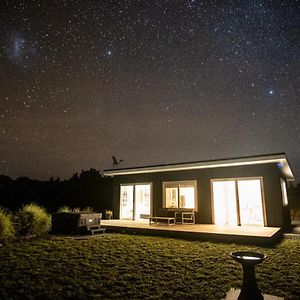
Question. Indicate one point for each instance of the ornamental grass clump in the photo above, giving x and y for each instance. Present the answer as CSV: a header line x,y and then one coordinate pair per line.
x,y
33,220
87,209
7,230
64,209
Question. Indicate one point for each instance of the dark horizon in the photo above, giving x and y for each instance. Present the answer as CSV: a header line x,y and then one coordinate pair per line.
x,y
150,82
160,165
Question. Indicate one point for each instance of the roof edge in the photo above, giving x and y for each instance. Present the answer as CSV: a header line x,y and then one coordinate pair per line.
x,y
279,158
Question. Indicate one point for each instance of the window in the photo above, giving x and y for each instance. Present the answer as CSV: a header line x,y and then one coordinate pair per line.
x,y
180,194
135,201
126,202
224,195
250,202
238,201
284,192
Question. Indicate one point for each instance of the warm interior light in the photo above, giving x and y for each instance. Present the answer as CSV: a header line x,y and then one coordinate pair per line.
x,y
250,201
187,196
126,203
180,194
172,197
142,201
225,202
135,201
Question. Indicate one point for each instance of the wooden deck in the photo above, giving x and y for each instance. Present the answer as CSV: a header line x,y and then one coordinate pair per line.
x,y
242,234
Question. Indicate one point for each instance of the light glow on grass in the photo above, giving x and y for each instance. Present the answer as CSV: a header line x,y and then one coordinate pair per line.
x,y
118,266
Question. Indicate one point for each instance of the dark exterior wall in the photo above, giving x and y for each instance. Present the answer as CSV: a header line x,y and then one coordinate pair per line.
x,y
271,185
273,198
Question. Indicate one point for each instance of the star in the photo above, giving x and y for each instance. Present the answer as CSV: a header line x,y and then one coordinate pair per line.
x,y
114,75
109,53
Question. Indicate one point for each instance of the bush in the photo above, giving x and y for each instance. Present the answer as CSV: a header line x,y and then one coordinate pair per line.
x,y
63,209
108,214
33,220
87,209
7,230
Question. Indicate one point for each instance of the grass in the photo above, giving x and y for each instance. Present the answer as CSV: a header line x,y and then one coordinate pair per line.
x,y
7,230
33,220
137,267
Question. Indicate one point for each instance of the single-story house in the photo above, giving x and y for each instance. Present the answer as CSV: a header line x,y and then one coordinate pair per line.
x,y
241,191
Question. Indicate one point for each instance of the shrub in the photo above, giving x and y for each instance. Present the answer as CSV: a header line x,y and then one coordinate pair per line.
x,y
33,220
63,209
87,209
7,230
108,214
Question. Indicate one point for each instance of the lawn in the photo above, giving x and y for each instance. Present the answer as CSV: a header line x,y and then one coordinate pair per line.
x,y
138,267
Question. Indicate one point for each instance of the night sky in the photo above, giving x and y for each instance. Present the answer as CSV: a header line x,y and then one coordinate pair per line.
x,y
151,82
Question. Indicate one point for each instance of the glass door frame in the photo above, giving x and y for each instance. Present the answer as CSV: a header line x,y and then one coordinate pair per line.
x,y
121,202
134,200
236,179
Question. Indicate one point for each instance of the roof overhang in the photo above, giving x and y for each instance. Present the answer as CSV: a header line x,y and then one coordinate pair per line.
x,y
280,159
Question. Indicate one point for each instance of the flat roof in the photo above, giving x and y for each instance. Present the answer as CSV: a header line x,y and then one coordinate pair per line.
x,y
279,158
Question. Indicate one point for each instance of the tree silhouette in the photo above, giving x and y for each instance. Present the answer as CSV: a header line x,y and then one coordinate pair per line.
x,y
89,188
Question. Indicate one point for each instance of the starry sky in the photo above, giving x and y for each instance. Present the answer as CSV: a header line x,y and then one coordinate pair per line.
x,y
151,82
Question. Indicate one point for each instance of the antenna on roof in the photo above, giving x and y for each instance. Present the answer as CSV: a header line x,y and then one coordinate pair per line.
x,y
116,162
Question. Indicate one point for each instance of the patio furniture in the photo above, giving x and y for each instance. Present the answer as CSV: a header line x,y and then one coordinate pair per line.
x,y
185,217
164,220
249,260
144,216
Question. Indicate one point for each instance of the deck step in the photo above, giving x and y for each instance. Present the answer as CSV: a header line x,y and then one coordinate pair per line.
x,y
98,231
91,230
95,229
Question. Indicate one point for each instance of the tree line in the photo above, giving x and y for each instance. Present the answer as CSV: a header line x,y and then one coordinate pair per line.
x,y
87,189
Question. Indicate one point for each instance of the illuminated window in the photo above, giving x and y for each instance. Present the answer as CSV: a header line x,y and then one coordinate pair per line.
x,y
135,201
225,212
180,194
250,202
126,202
284,192
238,201
142,201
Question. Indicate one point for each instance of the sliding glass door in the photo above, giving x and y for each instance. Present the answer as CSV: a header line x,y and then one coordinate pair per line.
x,y
142,201
250,201
135,201
238,202
126,202
225,212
